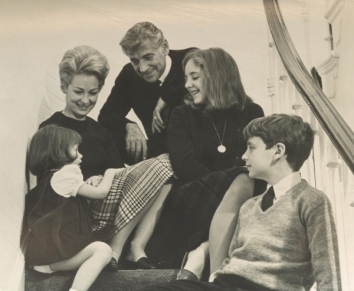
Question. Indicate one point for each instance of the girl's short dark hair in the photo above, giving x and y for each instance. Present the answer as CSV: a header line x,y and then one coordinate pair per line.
x,y
49,146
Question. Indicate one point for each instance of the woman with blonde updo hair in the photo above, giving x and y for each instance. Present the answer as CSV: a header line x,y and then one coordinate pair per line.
x,y
137,192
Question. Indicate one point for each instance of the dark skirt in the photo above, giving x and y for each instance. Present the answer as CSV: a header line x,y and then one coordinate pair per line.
x,y
190,207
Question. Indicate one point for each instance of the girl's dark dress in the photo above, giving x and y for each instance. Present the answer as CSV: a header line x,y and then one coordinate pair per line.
x,y
55,227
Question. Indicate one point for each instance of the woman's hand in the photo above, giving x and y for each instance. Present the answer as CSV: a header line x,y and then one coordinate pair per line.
x,y
94,180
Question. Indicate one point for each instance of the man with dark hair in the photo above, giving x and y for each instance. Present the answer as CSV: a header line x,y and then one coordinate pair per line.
x,y
152,84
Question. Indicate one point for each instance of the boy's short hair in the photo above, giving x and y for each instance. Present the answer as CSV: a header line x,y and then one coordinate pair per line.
x,y
290,130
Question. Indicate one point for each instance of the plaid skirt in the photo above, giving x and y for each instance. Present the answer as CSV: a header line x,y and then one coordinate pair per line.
x,y
131,190
189,208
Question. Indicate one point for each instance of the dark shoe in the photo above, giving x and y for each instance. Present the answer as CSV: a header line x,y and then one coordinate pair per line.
x,y
141,264
112,266
186,275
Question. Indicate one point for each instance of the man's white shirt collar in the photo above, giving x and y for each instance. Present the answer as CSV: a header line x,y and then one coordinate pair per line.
x,y
167,69
285,184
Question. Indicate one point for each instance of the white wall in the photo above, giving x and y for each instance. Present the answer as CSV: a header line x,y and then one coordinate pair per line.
x,y
325,170
34,34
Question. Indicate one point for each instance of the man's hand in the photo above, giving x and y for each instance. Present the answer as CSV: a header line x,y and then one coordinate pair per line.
x,y
94,180
157,123
135,142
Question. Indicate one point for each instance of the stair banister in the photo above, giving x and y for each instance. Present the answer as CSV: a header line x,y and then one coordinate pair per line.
x,y
333,124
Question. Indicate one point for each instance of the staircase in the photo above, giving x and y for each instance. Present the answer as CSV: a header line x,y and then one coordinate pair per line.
x,y
125,280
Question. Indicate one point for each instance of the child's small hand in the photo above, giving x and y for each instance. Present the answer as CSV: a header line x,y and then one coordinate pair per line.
x,y
94,180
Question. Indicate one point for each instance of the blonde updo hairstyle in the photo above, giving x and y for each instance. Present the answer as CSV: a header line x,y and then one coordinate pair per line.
x,y
83,60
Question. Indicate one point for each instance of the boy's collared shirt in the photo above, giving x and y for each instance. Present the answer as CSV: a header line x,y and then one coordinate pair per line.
x,y
285,184
167,70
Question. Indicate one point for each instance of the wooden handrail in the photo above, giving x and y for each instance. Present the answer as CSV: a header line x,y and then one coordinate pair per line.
x,y
333,124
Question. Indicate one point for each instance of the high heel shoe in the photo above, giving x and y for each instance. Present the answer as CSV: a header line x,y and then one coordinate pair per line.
x,y
184,274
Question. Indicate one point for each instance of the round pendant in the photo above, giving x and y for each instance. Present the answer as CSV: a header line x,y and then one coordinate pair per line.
x,y
221,149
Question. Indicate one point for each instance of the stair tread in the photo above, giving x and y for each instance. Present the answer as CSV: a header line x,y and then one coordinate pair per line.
x,y
127,280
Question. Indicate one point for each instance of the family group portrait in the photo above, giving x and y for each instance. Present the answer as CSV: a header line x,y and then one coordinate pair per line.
x,y
177,145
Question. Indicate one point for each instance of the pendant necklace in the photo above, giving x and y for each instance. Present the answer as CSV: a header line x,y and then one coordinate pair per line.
x,y
221,147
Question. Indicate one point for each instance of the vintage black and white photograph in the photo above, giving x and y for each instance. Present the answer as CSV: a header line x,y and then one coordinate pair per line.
x,y
164,145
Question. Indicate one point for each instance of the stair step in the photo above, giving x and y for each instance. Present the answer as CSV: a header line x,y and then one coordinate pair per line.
x,y
123,280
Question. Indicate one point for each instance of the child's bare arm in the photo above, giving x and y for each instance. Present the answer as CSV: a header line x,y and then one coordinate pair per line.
x,y
102,190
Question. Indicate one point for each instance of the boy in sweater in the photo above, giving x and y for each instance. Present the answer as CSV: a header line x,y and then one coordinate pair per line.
x,y
285,239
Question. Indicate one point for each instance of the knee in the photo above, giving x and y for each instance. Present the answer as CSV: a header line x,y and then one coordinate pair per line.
x,y
240,190
244,180
243,185
103,250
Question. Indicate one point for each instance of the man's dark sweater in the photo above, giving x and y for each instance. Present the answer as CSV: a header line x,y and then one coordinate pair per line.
x,y
133,92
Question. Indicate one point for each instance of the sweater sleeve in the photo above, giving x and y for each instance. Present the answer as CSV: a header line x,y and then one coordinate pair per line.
x,y
180,145
173,96
118,104
323,246
113,113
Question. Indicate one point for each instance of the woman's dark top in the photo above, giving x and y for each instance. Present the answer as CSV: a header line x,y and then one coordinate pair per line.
x,y
193,141
97,147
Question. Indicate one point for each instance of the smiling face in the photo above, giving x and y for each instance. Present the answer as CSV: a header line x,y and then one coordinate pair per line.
x,y
74,153
259,159
81,96
195,83
148,61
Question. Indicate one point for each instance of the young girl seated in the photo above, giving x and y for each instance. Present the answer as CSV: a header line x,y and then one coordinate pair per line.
x,y
57,226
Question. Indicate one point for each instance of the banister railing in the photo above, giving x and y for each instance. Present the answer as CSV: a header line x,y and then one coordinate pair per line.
x,y
333,124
